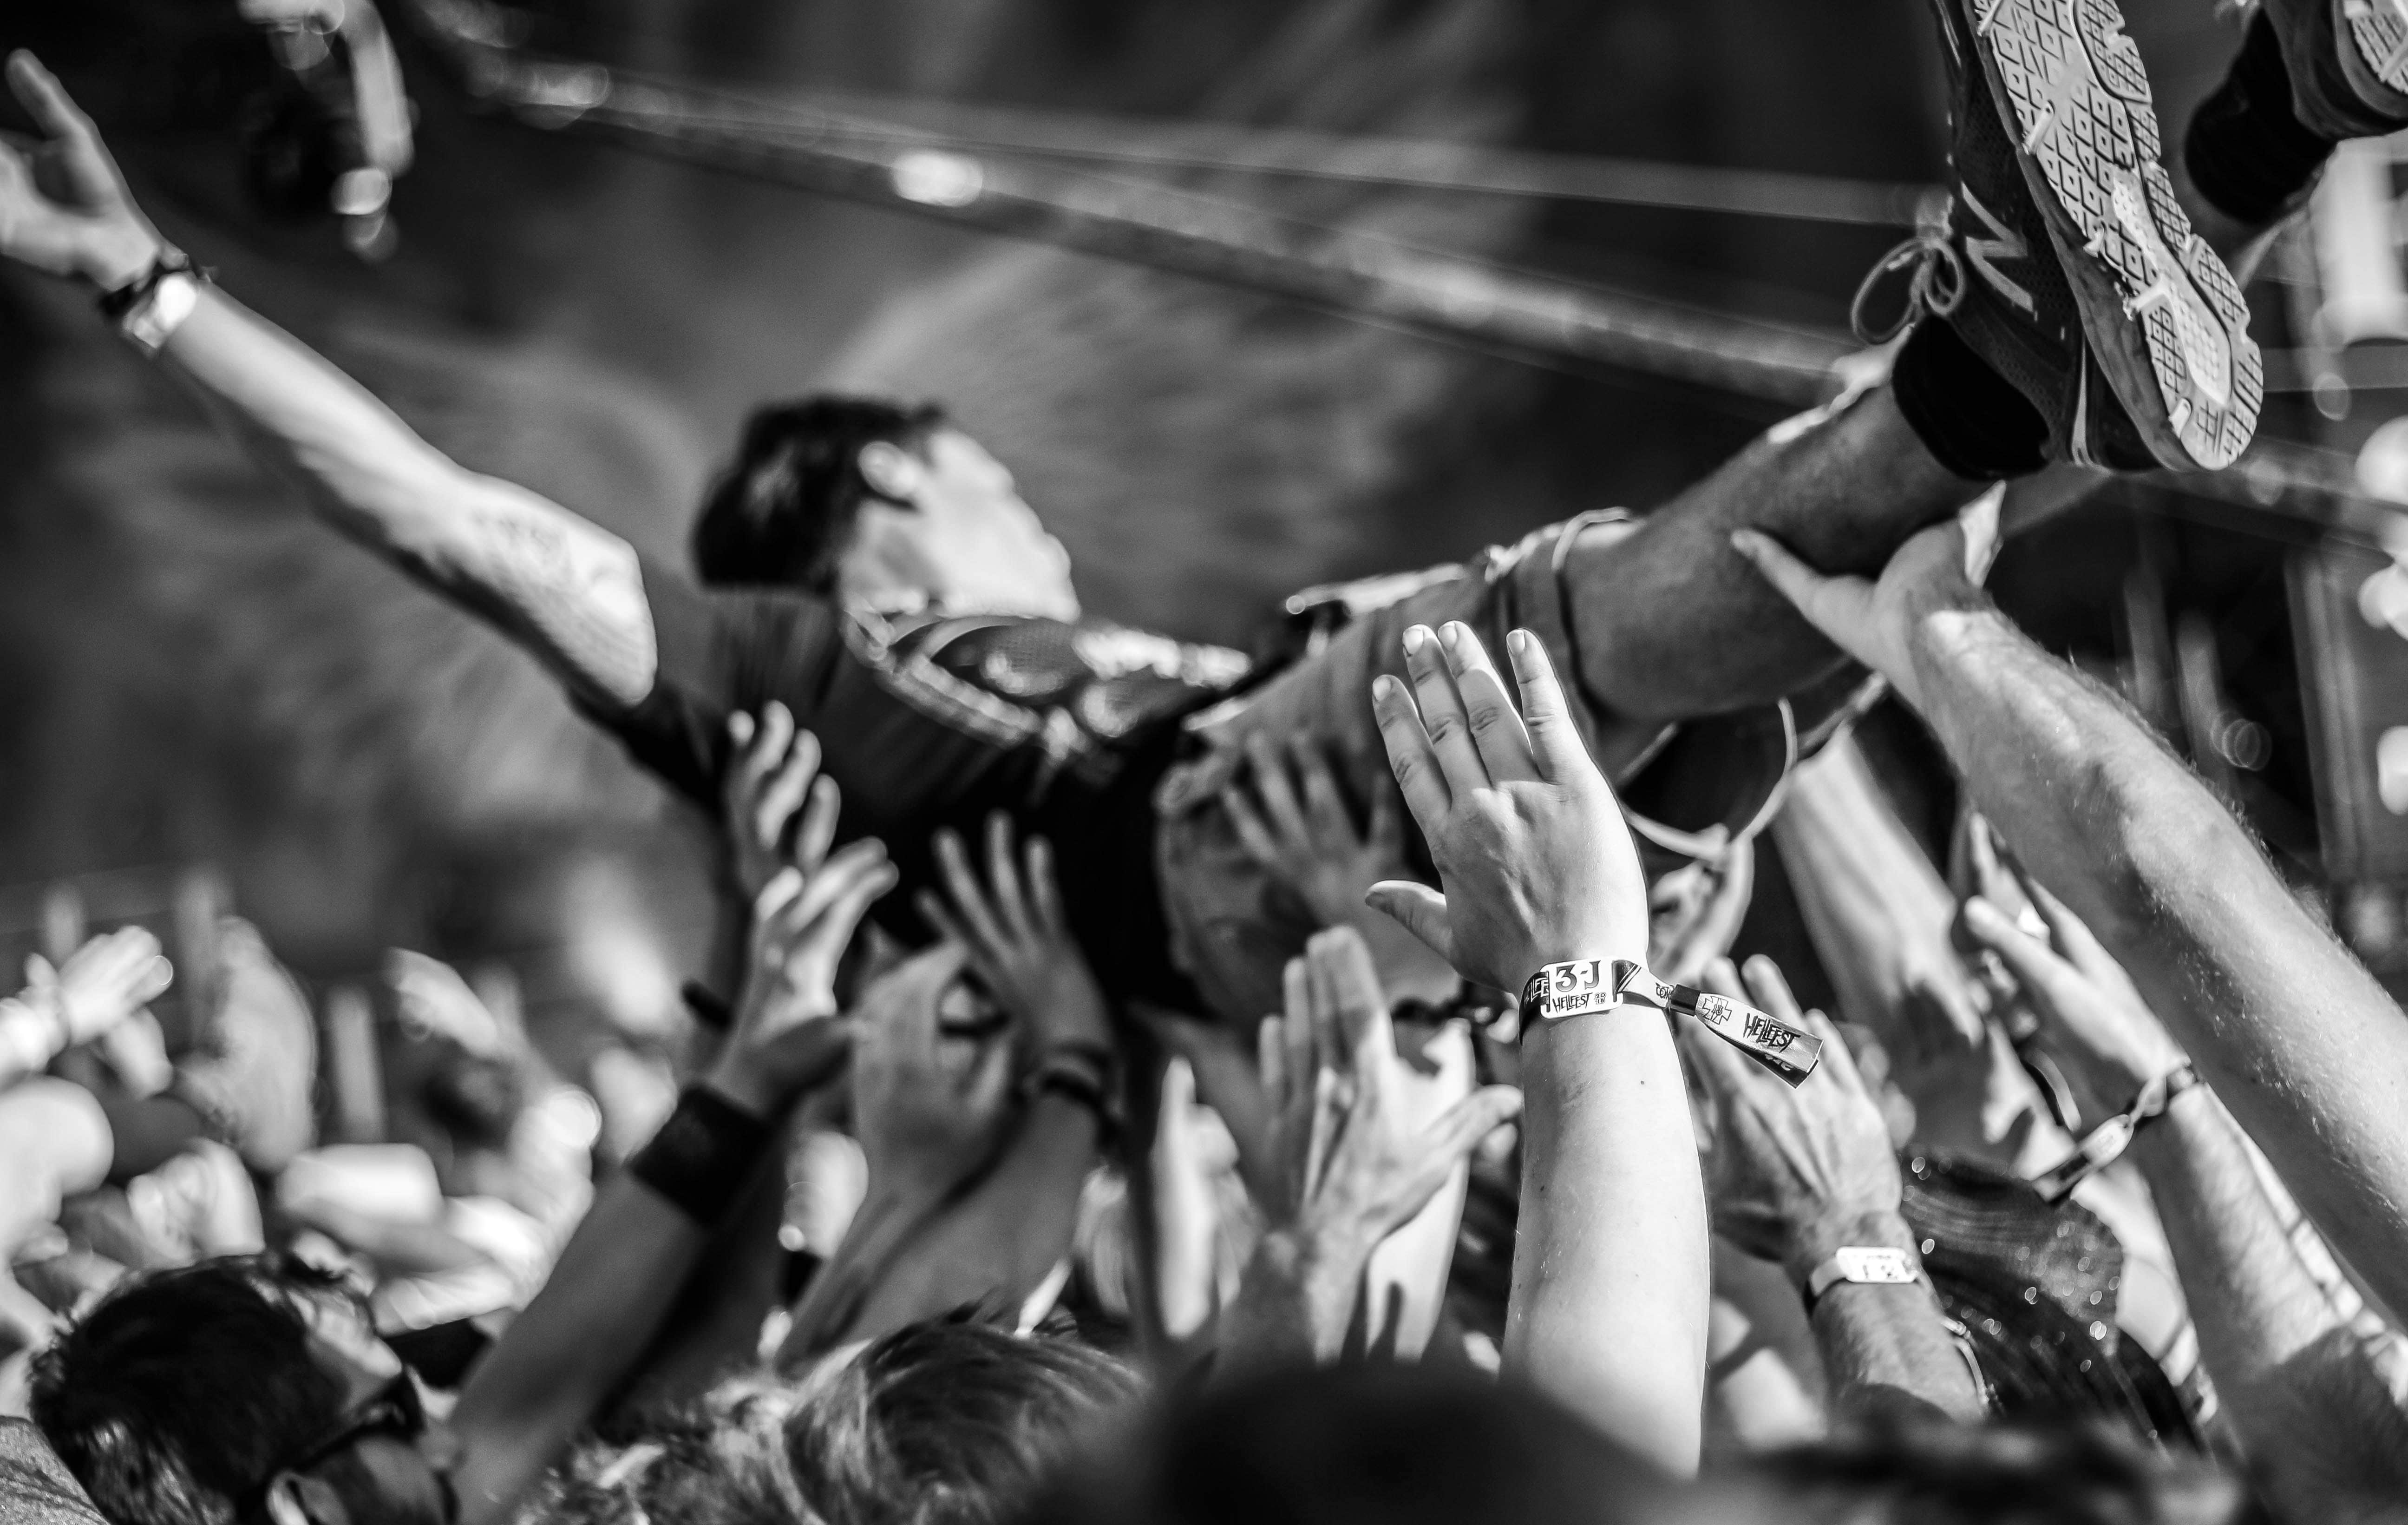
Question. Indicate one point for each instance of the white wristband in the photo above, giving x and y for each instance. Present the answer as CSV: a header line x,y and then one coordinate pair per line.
x,y
149,322
1598,984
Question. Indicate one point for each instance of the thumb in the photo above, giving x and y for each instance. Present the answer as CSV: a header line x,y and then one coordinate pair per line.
x,y
1834,605
1419,908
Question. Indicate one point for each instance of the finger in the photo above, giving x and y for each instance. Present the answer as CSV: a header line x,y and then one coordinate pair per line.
x,y
1834,605
1458,1131
46,100
1325,810
1839,1059
769,738
2045,977
1271,1059
990,1078
1770,989
2069,933
1003,876
837,877
1729,1074
817,833
1358,1008
939,916
776,897
835,924
1497,728
1418,909
1045,890
1275,789
1722,977
1443,719
1419,778
973,915
1253,834
1296,1029
1556,741
785,793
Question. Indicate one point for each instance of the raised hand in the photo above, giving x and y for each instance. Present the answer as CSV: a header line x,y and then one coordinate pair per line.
x,y
1291,820
1535,862
1936,571
927,1120
1017,940
63,206
103,983
2108,1043
766,783
1352,1165
1796,1170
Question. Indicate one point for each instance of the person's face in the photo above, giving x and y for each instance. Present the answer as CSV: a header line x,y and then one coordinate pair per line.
x,y
385,1474
975,541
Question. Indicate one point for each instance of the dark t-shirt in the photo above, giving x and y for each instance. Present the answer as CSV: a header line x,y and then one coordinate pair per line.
x,y
929,720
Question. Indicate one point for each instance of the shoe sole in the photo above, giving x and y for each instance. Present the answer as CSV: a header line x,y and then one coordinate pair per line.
x,y
2380,29
2162,314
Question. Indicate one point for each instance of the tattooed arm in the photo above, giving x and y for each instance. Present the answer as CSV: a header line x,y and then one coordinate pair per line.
x,y
564,589
567,590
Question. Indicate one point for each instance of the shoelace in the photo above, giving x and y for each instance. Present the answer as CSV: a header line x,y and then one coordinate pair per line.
x,y
1937,286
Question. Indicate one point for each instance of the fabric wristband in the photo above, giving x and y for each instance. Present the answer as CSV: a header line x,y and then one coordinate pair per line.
x,y
1084,1074
1598,984
703,1156
1860,1265
2105,1143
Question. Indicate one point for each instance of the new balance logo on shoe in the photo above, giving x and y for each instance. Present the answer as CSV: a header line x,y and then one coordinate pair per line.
x,y
2002,243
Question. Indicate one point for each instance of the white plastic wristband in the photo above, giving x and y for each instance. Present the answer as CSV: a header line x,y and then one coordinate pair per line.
x,y
1862,1265
151,322
1598,984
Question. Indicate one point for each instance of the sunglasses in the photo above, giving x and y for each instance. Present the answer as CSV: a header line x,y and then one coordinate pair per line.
x,y
392,1409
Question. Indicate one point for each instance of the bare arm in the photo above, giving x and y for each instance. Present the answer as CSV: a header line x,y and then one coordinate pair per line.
x,y
567,590
2298,1040
1611,1281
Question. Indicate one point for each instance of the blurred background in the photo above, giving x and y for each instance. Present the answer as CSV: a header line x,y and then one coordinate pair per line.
x,y
573,242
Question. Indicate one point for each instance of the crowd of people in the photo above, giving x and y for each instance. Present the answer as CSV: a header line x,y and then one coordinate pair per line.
x,y
1162,1084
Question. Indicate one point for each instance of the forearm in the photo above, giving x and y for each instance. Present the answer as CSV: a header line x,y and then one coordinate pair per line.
x,y
1885,1351
2296,1383
567,589
526,1400
1611,1280
1869,896
996,1244
2300,1043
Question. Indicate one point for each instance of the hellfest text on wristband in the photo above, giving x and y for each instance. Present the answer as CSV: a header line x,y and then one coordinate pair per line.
x,y
1598,984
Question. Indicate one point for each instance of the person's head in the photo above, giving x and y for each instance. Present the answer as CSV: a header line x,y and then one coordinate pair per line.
x,y
944,1422
247,1390
877,501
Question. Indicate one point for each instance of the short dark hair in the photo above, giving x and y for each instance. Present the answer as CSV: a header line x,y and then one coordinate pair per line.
x,y
944,1422
784,513
182,1389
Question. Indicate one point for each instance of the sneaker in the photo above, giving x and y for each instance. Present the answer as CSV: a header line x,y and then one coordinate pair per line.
x,y
2051,94
2347,61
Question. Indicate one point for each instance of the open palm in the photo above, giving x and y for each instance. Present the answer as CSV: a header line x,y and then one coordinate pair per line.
x,y
64,207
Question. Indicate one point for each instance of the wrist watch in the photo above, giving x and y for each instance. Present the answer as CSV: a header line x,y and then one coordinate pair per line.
x,y
1865,1265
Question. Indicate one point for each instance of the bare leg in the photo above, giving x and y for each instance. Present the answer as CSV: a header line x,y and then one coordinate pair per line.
x,y
1671,623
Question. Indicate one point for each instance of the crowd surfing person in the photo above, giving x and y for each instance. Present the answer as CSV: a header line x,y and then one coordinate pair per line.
x,y
886,660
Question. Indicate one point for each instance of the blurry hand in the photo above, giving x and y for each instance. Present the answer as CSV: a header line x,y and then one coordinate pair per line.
x,y
1536,864
785,1038
64,207
1017,940
1352,1165
435,1002
1796,1170
1874,621
927,1120
1293,822
2106,1040
1695,911
102,983
768,781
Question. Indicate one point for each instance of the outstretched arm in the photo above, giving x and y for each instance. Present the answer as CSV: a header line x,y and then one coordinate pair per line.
x,y
569,590
2298,1040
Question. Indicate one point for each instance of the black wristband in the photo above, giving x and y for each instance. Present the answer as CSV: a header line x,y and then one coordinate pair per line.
x,y
703,1156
